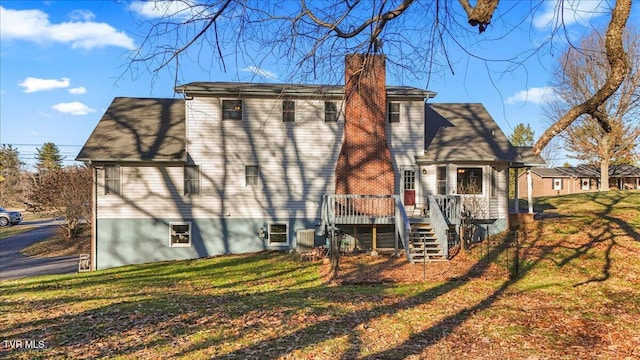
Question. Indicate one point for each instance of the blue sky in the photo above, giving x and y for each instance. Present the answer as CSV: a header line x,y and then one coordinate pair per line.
x,y
62,63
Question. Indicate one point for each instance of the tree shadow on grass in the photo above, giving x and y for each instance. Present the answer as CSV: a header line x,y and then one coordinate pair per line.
x,y
231,314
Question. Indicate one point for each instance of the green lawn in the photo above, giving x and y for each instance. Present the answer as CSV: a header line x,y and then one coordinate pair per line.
x,y
576,297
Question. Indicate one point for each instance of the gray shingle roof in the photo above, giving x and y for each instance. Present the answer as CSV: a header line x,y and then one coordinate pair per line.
x,y
587,171
293,90
136,129
464,132
527,158
550,172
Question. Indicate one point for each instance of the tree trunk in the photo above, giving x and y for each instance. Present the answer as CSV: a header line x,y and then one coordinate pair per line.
x,y
604,163
335,253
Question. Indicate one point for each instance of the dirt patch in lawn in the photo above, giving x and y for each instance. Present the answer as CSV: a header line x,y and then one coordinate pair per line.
x,y
386,268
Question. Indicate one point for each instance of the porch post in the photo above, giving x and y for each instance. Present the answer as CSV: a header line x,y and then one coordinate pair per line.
x,y
530,190
517,195
375,242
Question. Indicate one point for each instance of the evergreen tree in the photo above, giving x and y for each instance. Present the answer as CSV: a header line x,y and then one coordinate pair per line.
x,y
49,157
522,136
10,174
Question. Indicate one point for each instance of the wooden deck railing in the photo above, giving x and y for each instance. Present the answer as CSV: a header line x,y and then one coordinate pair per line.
x,y
360,209
367,210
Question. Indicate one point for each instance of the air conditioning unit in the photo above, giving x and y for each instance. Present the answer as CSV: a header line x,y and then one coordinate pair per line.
x,y
305,240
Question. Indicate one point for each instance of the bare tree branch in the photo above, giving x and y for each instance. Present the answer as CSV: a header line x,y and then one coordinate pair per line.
x,y
481,14
380,20
618,70
211,22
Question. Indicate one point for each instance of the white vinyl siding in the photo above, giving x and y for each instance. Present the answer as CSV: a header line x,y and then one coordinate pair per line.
x,y
406,141
151,191
296,160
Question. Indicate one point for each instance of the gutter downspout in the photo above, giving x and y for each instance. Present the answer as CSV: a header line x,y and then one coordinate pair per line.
x,y
94,218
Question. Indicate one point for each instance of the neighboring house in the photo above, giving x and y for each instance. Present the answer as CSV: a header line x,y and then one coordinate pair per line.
x,y
243,167
579,179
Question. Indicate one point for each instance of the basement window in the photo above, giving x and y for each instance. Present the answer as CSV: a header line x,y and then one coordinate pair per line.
x,y
278,233
180,234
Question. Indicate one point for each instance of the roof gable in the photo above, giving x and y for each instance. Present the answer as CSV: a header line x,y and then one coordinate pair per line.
x,y
464,132
137,129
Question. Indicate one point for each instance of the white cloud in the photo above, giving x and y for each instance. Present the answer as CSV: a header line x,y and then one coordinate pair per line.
x,y
78,91
168,8
34,25
569,12
536,95
82,15
73,108
32,84
260,72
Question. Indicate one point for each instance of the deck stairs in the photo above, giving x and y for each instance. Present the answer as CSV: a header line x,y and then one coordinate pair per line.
x,y
424,245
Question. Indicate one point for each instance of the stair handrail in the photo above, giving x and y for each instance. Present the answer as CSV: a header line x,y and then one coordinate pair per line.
x,y
402,225
327,213
439,224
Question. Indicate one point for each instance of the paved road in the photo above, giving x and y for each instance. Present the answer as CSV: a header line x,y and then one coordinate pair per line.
x,y
14,265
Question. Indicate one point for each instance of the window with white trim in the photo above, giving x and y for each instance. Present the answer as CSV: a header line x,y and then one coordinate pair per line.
x,y
393,112
557,184
278,233
112,183
180,234
232,110
252,175
330,111
192,180
288,111
494,182
441,180
586,183
469,181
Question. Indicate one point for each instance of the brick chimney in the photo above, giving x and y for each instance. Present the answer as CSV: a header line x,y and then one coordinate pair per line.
x,y
364,165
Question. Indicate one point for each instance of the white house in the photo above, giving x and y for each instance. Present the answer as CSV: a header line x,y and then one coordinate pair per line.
x,y
243,167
